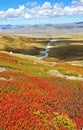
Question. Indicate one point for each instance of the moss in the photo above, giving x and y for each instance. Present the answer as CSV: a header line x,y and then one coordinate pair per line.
x,y
8,89
63,120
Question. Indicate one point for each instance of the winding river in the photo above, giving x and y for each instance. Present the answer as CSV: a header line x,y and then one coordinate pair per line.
x,y
45,53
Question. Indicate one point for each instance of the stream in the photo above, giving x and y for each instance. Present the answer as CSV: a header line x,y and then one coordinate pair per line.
x,y
45,53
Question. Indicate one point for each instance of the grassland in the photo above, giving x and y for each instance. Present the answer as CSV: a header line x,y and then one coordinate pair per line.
x,y
31,98
22,44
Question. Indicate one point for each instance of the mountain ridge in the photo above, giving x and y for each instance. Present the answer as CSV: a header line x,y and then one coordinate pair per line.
x,y
47,29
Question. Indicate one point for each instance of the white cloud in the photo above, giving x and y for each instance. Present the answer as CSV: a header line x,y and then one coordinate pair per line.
x,y
77,2
81,0
13,13
31,4
46,5
45,10
74,2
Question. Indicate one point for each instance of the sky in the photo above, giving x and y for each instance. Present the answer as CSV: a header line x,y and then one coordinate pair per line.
x,y
29,12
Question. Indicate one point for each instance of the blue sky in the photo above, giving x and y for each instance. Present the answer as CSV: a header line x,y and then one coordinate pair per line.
x,y
41,11
5,4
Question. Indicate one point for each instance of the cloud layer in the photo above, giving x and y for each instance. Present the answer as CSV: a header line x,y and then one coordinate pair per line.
x,y
46,10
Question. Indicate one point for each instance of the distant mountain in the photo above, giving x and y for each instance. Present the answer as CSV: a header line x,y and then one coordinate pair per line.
x,y
9,26
71,25
79,22
43,29
3,27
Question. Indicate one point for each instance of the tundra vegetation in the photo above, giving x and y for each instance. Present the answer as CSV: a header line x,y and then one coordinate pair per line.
x,y
31,98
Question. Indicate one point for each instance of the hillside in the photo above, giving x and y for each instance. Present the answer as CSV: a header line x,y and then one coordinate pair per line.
x,y
64,49
41,93
67,50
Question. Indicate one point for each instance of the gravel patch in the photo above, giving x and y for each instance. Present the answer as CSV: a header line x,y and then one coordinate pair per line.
x,y
5,79
57,73
2,69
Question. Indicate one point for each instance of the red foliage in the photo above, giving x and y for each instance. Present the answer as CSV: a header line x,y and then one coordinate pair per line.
x,y
6,57
28,103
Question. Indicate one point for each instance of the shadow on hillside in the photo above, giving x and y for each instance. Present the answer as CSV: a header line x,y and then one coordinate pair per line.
x,y
69,52
27,51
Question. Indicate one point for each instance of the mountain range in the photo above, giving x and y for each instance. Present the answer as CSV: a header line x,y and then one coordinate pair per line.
x,y
43,29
